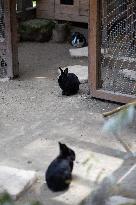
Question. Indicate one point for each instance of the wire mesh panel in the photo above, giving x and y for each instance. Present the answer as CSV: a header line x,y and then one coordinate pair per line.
x,y
2,25
118,46
3,60
8,39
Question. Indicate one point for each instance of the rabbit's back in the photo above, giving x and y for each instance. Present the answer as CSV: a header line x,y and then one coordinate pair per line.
x,y
58,175
73,78
71,84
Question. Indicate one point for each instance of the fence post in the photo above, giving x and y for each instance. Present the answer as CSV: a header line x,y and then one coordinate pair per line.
x,y
14,40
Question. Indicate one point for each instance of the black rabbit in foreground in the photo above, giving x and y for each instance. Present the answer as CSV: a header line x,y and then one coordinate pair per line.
x,y
59,173
68,82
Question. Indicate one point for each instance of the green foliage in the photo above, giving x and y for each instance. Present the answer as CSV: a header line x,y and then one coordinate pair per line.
x,y
37,25
36,30
5,199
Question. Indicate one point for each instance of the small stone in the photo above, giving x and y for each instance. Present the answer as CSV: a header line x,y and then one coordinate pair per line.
x,y
79,52
29,162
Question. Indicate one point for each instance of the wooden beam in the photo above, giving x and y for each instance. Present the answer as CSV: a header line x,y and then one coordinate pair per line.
x,y
118,109
111,96
11,39
14,38
94,48
8,39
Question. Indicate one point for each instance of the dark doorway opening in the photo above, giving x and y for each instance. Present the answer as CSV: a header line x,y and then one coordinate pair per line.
x,y
67,2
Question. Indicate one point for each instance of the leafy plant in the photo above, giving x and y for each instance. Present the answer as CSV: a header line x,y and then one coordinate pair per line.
x,y
36,25
5,199
36,30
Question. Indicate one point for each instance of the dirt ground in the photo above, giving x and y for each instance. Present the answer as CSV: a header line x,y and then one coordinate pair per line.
x,y
32,108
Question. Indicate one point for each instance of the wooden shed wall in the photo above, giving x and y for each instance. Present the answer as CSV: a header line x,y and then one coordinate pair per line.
x,y
52,9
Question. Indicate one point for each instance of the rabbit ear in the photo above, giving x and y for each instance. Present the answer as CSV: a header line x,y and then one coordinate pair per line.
x,y
59,144
61,70
66,71
63,147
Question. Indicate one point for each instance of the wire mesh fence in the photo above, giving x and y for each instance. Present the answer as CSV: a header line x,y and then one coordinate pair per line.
x,y
118,46
3,58
2,25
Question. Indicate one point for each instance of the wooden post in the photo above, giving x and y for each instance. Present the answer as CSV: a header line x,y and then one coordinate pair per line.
x,y
7,42
14,38
94,46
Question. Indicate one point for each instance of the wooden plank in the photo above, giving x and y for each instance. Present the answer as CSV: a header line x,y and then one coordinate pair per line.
x,y
14,38
84,8
42,6
43,14
8,39
114,97
92,47
45,9
69,12
54,10
68,17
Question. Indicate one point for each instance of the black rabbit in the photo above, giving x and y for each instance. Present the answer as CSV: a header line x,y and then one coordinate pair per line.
x,y
59,173
68,82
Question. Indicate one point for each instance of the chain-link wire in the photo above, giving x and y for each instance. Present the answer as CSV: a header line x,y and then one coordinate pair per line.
x,y
3,60
118,47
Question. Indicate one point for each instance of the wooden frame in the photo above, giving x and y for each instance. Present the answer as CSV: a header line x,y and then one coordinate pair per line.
x,y
94,75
